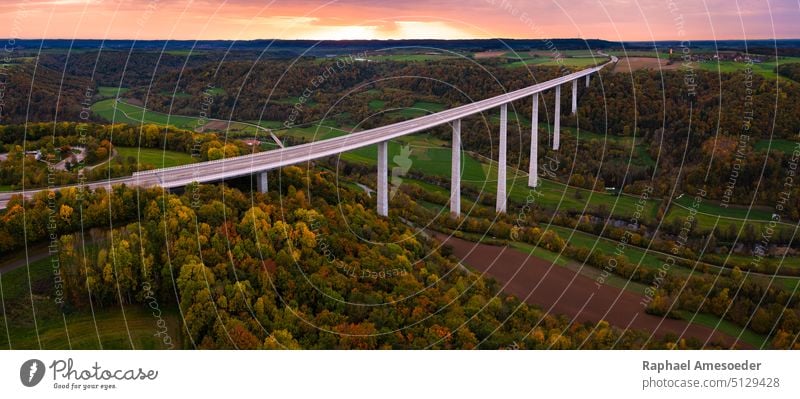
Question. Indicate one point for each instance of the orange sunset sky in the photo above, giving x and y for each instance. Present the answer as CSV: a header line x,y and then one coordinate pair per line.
x,y
400,19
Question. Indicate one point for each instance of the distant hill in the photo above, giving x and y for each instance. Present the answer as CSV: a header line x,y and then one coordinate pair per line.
x,y
314,47
293,48
782,47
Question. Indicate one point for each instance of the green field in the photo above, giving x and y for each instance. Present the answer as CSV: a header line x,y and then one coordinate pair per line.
x,y
714,209
156,157
433,161
419,108
5,188
707,217
268,124
185,52
110,91
411,57
726,327
647,260
662,53
777,145
123,112
15,282
568,53
377,105
765,69
106,327
549,61
311,133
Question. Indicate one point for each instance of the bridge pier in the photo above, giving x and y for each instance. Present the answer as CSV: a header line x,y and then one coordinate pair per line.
x,y
533,168
557,124
501,161
587,80
383,178
574,96
261,182
455,171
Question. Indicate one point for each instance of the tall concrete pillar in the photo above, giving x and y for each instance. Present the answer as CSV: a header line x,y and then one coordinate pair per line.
x,y
533,168
557,124
574,96
455,171
501,161
587,80
261,182
383,178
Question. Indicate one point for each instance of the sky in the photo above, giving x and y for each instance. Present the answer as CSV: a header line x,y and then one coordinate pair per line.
x,y
629,20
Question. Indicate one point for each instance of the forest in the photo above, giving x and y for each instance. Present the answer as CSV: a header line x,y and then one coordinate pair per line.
x,y
286,270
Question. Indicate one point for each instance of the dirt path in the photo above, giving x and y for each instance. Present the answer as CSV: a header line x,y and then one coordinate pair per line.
x,y
35,253
114,154
563,291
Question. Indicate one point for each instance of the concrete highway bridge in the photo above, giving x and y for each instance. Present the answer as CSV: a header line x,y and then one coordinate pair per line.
x,y
260,163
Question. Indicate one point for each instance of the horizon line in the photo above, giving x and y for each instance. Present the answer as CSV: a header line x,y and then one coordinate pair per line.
x,y
405,39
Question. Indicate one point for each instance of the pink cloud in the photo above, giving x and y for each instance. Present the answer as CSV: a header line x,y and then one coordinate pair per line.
x,y
250,19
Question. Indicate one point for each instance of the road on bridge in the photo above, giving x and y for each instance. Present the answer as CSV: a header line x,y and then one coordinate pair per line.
x,y
244,165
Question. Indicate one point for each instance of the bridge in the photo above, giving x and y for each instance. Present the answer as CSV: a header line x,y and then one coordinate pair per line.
x,y
260,163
